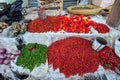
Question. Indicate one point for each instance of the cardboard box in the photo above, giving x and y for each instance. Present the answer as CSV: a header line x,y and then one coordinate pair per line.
x,y
103,3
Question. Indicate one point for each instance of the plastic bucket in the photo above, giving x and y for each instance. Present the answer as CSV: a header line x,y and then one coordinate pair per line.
x,y
42,13
99,43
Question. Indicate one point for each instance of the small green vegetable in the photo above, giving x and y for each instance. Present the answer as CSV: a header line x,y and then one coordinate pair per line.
x,y
108,52
106,65
32,55
118,65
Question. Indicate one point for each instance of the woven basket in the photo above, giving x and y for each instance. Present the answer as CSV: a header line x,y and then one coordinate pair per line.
x,y
108,8
84,9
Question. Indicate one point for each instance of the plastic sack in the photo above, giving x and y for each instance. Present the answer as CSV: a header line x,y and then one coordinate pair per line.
x,y
15,10
106,3
12,12
117,47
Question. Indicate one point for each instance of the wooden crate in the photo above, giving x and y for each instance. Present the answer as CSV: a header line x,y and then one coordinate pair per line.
x,y
52,5
68,3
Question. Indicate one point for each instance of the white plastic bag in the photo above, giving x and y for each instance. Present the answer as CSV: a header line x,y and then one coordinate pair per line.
x,y
117,47
106,3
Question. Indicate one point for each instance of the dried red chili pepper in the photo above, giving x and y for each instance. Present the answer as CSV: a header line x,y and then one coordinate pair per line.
x,y
46,25
101,28
72,56
108,57
32,48
77,24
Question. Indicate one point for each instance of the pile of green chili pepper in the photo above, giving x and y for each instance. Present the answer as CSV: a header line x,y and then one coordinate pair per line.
x,y
32,55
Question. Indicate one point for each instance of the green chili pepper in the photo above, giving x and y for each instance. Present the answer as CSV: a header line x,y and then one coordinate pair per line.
x,y
30,59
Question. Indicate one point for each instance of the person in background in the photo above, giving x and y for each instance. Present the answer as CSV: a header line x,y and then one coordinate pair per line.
x,y
12,12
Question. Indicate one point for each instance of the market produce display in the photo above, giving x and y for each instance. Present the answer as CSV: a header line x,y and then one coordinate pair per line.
x,y
108,59
32,55
6,57
72,56
80,24
73,23
48,44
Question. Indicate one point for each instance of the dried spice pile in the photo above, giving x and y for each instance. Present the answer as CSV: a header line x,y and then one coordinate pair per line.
x,y
79,24
108,59
32,55
72,56
46,25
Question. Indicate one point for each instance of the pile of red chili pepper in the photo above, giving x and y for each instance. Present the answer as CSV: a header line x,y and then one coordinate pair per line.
x,y
72,56
77,24
80,24
101,28
108,59
46,25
